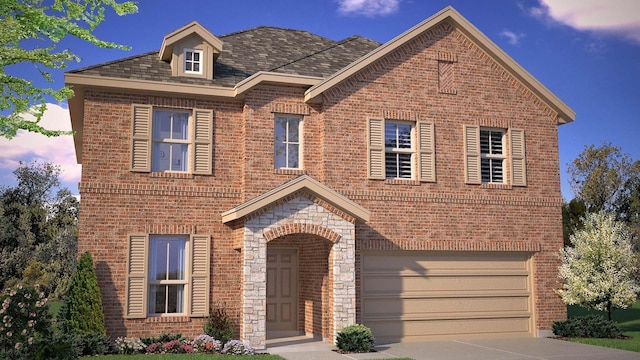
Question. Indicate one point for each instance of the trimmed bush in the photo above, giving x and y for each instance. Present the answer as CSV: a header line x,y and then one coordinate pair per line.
x,y
219,325
355,338
589,326
82,312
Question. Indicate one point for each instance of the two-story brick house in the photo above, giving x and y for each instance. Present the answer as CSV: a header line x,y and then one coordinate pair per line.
x,y
308,184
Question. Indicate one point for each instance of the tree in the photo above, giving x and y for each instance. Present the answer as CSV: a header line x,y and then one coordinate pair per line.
x,y
572,214
82,312
598,270
25,20
598,175
627,207
38,226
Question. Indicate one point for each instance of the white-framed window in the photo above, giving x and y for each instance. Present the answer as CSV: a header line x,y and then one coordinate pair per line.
x,y
170,140
288,142
167,274
192,61
492,155
399,149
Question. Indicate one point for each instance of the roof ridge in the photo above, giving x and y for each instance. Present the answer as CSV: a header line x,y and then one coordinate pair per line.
x,y
113,61
274,27
332,46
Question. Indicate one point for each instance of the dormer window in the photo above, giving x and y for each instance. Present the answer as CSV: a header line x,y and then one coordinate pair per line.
x,y
192,61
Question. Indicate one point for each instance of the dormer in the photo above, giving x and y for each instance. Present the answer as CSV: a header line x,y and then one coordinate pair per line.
x,y
191,50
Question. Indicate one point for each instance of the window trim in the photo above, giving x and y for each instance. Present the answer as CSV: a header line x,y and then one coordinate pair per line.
x,y
286,142
494,157
185,282
199,62
394,150
189,141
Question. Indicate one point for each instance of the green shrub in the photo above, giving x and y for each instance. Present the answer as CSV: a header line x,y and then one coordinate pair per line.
x,y
590,326
355,338
219,325
164,338
82,310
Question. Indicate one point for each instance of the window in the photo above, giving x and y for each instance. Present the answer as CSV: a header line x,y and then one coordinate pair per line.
x,y
168,274
287,142
492,155
167,278
192,61
399,150
170,140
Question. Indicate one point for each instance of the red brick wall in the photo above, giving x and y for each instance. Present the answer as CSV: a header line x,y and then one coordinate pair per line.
x,y
408,215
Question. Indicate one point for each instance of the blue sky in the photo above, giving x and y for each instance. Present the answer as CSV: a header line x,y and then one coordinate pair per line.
x,y
585,51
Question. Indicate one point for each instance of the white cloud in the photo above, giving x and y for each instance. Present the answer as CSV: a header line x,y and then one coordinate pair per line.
x,y
512,38
369,8
612,17
27,146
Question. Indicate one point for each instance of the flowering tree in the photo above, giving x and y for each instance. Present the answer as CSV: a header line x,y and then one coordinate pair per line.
x,y
597,270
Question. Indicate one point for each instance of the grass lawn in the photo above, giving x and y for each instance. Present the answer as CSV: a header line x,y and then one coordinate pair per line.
x,y
629,320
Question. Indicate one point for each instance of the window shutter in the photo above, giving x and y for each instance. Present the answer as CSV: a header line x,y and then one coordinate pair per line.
x,y
200,258
136,297
518,160
376,149
202,142
472,154
427,154
141,138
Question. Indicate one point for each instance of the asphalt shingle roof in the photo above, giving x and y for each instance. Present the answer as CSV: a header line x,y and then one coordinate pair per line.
x,y
247,52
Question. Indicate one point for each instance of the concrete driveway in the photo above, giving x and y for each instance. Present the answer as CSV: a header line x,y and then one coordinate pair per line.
x,y
481,349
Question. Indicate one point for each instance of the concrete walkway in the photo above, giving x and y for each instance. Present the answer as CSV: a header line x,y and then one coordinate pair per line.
x,y
484,349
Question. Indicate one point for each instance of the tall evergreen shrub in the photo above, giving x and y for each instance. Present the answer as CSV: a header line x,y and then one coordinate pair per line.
x,y
82,313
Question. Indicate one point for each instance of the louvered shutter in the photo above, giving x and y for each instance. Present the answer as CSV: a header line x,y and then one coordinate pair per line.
x,y
376,149
427,154
518,160
141,138
200,257
136,292
202,141
472,154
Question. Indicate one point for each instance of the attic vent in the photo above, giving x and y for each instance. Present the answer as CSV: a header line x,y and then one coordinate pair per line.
x,y
446,72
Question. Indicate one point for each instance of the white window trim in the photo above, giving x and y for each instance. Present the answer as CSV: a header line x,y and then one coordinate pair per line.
x,y
411,151
186,281
286,142
499,157
188,141
199,62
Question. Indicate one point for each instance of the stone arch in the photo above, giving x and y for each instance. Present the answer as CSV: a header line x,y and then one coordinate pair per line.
x,y
301,228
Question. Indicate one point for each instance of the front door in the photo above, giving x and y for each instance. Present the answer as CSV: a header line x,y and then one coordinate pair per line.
x,y
282,294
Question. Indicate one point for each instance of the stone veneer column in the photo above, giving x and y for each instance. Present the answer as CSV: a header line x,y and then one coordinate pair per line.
x,y
299,210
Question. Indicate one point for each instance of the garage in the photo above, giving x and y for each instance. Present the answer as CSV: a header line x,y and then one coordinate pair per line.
x,y
429,295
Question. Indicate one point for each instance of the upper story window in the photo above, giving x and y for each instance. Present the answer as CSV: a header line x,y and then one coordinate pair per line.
x,y
167,274
399,150
288,142
492,155
170,140
192,61
403,150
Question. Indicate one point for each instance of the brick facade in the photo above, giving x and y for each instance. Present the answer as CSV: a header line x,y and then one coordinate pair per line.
x,y
447,214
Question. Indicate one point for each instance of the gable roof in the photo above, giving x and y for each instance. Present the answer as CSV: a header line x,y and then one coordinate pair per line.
x,y
303,182
565,113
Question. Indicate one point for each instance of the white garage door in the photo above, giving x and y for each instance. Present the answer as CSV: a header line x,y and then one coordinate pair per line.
x,y
424,295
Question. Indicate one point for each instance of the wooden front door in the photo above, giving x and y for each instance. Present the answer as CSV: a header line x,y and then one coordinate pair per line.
x,y
282,290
